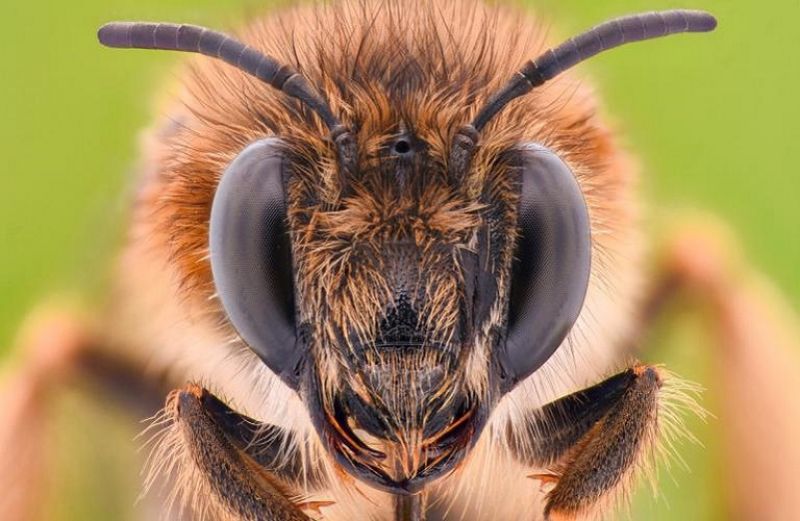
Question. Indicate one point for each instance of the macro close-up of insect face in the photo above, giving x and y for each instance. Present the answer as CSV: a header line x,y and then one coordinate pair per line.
x,y
403,271
384,262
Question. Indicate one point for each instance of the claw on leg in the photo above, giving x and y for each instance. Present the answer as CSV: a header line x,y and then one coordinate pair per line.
x,y
545,478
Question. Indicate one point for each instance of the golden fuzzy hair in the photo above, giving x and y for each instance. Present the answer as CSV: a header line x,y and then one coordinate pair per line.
x,y
391,67
384,66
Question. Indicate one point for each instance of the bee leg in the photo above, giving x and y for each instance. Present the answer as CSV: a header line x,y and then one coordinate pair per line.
x,y
214,450
265,444
755,365
591,441
57,351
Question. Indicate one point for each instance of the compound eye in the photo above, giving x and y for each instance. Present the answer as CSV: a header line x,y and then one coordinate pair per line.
x,y
251,258
552,265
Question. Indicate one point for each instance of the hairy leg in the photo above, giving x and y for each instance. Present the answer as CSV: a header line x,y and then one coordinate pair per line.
x,y
591,441
220,467
757,377
58,350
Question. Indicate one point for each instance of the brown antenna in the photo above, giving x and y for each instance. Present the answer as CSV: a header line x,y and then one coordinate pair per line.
x,y
191,38
550,64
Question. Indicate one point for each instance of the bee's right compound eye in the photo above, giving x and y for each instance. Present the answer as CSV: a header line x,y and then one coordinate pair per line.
x,y
552,264
251,259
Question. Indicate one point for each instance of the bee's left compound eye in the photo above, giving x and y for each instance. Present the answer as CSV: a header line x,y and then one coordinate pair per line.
x,y
552,265
251,257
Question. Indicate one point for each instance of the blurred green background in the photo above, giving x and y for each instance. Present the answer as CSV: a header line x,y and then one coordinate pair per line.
x,y
715,120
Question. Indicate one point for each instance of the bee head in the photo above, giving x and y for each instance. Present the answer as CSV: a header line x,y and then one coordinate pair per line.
x,y
398,267
399,300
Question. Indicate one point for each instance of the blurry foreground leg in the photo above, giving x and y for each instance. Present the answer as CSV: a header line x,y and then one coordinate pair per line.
x,y
57,349
757,365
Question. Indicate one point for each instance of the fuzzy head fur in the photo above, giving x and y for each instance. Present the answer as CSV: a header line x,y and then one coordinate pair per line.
x,y
415,71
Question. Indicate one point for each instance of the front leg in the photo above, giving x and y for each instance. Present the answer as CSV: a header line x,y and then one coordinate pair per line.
x,y
220,470
591,441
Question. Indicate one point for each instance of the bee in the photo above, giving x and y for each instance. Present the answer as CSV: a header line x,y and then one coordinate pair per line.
x,y
396,253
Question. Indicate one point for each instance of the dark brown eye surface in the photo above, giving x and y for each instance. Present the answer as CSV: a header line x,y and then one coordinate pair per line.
x,y
553,260
251,256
